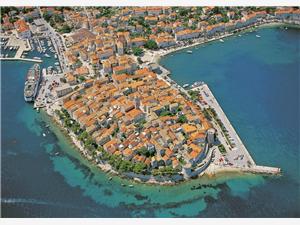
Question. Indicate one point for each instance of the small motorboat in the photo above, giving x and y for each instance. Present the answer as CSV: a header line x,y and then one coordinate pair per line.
x,y
257,36
44,135
221,40
189,51
131,186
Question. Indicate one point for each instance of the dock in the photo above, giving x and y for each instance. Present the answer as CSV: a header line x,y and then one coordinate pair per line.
x,y
237,156
263,170
23,45
22,59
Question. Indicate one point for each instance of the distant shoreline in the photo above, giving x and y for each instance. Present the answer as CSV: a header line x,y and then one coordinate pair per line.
x,y
159,55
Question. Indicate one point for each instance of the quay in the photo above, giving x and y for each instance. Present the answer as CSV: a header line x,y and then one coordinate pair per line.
x,y
23,45
22,59
236,158
214,169
213,103
263,170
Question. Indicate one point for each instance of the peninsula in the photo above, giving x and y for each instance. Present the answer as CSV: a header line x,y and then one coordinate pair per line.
x,y
118,105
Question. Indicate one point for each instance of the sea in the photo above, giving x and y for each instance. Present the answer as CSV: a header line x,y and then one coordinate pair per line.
x,y
255,80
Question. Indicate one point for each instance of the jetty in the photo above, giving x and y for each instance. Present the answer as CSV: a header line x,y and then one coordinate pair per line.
x,y
263,170
22,46
237,157
22,59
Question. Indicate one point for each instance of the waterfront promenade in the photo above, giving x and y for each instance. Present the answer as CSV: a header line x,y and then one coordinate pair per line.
x,y
233,136
236,158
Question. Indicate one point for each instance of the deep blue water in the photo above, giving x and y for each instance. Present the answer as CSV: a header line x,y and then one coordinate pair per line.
x,y
256,82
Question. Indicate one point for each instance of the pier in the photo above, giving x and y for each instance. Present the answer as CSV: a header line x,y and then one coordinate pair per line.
x,y
22,59
23,45
237,157
263,170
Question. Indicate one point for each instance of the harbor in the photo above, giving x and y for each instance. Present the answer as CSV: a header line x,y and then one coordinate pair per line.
x,y
35,49
41,50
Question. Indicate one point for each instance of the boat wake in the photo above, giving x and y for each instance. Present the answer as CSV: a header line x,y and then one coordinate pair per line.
x,y
15,201
20,201
26,201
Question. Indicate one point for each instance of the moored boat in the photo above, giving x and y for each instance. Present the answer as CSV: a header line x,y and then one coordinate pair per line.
x,y
32,83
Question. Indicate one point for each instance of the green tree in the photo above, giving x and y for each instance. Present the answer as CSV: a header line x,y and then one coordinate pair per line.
x,y
30,20
151,44
137,51
139,167
47,16
183,11
182,119
81,78
65,29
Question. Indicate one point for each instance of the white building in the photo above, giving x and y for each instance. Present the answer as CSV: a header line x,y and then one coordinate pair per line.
x,y
63,90
187,34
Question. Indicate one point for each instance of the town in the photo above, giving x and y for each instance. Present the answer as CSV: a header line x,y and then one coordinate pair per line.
x,y
117,103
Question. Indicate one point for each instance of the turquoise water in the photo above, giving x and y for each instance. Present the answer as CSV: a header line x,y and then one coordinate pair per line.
x,y
38,183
